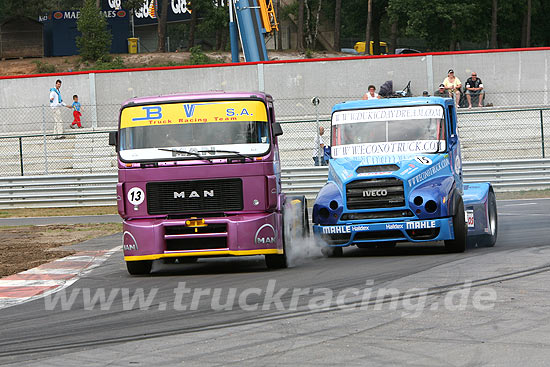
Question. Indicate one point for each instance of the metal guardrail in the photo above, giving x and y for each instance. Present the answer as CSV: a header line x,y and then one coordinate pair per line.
x,y
99,189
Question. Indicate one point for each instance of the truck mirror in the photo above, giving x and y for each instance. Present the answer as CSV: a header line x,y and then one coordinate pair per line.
x,y
454,139
113,137
277,129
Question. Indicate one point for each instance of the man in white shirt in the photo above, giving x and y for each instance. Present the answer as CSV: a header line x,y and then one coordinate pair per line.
x,y
318,150
56,102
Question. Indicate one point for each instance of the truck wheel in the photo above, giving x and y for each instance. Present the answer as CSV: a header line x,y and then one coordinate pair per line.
x,y
328,251
139,267
490,239
276,261
460,230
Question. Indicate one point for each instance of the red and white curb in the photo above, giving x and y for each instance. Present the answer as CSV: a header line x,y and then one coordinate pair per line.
x,y
50,277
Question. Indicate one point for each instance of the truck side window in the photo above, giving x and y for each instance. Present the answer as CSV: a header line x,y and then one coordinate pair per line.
x,y
452,121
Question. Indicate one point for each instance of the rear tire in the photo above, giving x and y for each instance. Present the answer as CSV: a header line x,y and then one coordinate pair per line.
x,y
332,251
489,240
139,267
460,228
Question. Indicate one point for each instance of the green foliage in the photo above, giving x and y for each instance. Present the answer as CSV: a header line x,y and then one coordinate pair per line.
x,y
44,67
95,42
308,54
113,64
198,57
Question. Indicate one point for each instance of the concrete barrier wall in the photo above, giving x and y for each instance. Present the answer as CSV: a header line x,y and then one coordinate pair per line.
x,y
511,78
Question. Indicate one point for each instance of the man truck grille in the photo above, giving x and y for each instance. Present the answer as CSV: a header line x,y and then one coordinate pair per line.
x,y
375,193
194,196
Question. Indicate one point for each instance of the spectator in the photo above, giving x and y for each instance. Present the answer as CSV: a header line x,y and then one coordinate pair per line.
x,y
474,88
452,86
319,149
55,103
371,94
441,92
76,113
425,94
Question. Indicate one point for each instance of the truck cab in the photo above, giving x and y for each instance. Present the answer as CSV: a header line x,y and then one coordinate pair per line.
x,y
395,174
199,176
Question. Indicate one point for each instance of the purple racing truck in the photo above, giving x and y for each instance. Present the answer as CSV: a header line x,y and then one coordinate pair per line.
x,y
199,176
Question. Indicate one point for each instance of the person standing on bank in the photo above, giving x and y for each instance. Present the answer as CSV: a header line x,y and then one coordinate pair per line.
x,y
56,102
319,149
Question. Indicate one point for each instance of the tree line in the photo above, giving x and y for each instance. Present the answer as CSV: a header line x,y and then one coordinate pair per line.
x,y
438,25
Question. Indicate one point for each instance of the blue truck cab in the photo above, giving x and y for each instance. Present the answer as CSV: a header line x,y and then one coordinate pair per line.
x,y
395,174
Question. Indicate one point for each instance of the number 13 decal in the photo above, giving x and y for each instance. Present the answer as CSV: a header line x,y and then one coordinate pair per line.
x,y
136,196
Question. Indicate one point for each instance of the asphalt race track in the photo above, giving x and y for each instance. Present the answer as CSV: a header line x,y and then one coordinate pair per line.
x,y
162,335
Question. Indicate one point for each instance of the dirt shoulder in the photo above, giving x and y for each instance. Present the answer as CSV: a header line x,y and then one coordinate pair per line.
x,y
26,247
56,212
62,64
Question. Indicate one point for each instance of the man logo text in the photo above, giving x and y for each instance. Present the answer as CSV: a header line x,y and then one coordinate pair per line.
x,y
194,194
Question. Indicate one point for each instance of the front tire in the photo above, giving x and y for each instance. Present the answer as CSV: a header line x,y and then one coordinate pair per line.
x,y
276,261
328,251
460,228
489,240
139,267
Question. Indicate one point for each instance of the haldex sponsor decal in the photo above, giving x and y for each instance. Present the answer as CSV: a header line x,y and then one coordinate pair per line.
x,y
428,173
394,226
394,147
426,224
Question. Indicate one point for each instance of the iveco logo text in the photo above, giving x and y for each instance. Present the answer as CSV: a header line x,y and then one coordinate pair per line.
x,y
421,225
368,193
194,194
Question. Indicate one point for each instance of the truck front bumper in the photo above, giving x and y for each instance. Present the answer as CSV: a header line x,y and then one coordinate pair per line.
x,y
236,235
413,231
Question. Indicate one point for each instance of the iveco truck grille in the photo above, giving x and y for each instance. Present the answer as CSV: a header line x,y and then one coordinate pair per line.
x,y
375,193
195,196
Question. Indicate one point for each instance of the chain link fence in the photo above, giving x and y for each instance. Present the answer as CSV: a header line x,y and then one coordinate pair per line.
x,y
29,146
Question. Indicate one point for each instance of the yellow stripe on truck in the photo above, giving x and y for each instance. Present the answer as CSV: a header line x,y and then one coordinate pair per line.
x,y
205,253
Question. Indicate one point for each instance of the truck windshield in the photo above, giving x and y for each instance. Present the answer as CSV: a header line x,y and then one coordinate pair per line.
x,y
415,129
191,130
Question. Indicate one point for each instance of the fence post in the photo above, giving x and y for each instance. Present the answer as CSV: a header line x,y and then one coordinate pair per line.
x,y
320,155
21,154
542,133
44,134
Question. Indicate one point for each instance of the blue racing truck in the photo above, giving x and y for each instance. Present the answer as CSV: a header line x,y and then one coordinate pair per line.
x,y
395,174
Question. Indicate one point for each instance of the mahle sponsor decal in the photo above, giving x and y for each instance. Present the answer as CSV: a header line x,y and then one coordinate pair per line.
x,y
336,229
421,224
